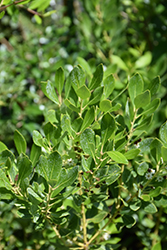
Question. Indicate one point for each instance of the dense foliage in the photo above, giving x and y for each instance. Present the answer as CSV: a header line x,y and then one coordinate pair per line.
x,y
104,127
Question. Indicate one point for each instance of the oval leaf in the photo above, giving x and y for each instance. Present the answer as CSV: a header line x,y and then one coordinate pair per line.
x,y
20,142
117,157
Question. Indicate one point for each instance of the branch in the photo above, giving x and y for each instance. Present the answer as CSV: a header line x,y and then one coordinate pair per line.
x,y
15,3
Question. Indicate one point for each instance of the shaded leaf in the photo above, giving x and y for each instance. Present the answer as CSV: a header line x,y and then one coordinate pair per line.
x,y
97,77
163,133
66,179
155,85
59,80
150,108
107,127
88,119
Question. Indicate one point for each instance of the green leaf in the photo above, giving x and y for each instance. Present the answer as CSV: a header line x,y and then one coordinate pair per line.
x,y
144,124
35,154
164,153
37,138
155,192
59,80
34,197
163,133
96,96
118,61
149,208
97,77
50,168
66,125
84,64
128,220
49,91
4,182
77,77
49,129
66,179
155,148
99,217
71,106
157,246
2,146
83,92
88,119
2,14
118,157
142,99
5,155
20,142
135,86
155,85
131,154
142,168
144,60
113,174
25,169
105,105
150,108
109,84
87,138
107,127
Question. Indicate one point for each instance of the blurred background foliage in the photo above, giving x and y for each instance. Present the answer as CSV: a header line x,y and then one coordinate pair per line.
x,y
126,36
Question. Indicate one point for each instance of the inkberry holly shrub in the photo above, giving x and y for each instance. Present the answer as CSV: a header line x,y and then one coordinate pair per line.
x,y
93,170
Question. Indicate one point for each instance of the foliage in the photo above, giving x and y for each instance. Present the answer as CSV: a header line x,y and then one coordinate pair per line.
x,y
93,170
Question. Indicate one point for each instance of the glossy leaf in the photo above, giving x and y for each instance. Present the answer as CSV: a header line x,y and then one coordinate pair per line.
x,y
164,153
37,137
77,77
135,86
20,142
34,197
49,91
107,127
117,157
88,119
50,167
113,173
155,192
163,133
66,179
87,138
5,155
59,80
97,77
142,99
